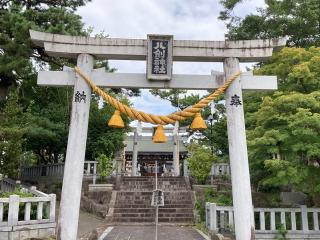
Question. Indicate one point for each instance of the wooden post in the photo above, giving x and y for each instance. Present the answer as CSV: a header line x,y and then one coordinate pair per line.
x,y
262,221
52,207
273,220
13,213
241,190
134,162
74,164
176,167
94,172
185,168
211,216
315,221
293,221
88,168
1,211
304,218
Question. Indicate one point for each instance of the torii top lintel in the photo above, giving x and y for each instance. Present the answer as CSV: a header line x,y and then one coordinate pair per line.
x,y
136,49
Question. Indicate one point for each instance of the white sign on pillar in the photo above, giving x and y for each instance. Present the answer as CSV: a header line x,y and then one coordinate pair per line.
x,y
74,163
240,177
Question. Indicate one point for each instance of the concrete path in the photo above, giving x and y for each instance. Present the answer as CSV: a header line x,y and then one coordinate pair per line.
x,y
87,223
148,233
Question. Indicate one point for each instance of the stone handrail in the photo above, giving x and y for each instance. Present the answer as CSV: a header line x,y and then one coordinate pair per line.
x,y
13,226
301,223
7,185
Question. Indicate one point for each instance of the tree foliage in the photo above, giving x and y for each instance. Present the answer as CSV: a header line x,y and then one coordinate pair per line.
x,y
12,130
297,19
105,165
284,138
200,162
43,114
283,127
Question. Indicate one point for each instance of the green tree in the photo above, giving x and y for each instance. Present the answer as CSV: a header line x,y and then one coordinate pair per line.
x,y
12,130
17,51
285,141
297,19
283,127
47,110
200,162
103,139
105,165
283,132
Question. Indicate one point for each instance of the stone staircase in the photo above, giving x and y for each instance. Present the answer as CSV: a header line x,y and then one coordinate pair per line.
x,y
133,200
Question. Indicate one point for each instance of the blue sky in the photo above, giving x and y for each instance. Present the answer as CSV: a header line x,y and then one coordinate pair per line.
x,y
185,19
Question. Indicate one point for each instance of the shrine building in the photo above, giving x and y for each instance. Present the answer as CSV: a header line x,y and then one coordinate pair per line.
x,y
149,152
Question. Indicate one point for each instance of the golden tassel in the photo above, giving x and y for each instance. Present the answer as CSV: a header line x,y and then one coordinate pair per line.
x,y
198,123
116,120
159,136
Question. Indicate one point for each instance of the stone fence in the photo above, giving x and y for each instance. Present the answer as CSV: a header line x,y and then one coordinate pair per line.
x,y
220,169
55,172
27,217
7,185
300,223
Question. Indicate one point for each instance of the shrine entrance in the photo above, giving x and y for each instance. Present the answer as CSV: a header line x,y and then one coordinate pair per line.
x,y
141,147
159,51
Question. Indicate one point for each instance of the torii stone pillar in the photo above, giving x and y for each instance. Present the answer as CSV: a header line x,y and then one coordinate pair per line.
x,y
241,193
74,163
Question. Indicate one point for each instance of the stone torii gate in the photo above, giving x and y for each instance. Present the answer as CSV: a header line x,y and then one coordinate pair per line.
x,y
85,49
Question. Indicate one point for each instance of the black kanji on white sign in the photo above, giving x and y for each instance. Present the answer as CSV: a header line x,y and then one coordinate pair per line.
x,y
159,56
78,97
157,198
159,59
235,100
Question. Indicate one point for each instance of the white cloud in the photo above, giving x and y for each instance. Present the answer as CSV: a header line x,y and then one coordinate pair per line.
x,y
185,19
152,104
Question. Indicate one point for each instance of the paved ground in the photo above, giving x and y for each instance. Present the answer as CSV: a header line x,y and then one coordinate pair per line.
x,y
148,233
88,222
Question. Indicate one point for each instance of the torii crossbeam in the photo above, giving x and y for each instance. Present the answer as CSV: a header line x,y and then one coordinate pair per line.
x,y
86,48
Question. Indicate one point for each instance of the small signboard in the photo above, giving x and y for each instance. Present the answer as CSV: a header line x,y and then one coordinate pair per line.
x,y
159,60
157,198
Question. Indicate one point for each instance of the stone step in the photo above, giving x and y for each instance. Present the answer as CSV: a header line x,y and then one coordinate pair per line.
x,y
152,210
152,215
151,188
133,201
164,181
152,220
133,215
172,206
148,198
133,219
134,210
127,193
148,203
